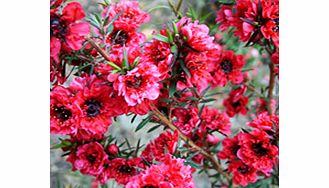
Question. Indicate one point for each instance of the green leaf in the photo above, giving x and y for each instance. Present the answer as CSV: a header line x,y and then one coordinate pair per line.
x,y
201,109
93,23
192,98
173,49
138,146
172,88
171,40
153,128
125,63
98,18
133,119
181,63
110,28
192,164
205,91
174,27
114,66
207,100
136,61
161,38
142,123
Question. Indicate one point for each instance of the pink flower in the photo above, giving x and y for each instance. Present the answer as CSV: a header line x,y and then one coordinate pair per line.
x,y
169,174
197,35
138,84
159,53
130,15
264,121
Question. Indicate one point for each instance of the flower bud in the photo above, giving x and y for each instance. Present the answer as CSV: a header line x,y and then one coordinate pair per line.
x,y
112,149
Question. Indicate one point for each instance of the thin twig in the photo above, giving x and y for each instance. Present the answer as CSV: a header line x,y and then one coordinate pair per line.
x,y
166,122
271,87
98,48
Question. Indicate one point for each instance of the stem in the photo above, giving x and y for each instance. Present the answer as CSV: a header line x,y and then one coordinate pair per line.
x,y
271,87
166,122
98,48
172,6
253,90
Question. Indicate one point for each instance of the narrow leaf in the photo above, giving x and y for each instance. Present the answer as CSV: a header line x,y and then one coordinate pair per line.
x,y
153,128
161,38
181,63
143,123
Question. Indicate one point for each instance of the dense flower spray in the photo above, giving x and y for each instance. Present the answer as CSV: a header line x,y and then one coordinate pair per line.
x,y
200,90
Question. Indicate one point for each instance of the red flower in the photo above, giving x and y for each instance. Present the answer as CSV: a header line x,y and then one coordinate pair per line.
x,y
225,17
242,173
214,120
92,95
165,143
186,120
123,169
63,113
171,173
270,28
195,35
236,102
89,158
257,151
56,73
138,84
227,69
230,148
197,65
252,20
65,29
112,149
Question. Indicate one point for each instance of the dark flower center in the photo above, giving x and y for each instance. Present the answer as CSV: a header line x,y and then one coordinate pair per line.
x,y
226,66
93,107
276,28
125,169
235,149
236,104
134,83
92,158
258,149
149,186
119,37
57,27
62,113
243,169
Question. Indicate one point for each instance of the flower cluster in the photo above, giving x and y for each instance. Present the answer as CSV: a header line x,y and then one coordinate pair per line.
x,y
252,154
253,20
187,78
